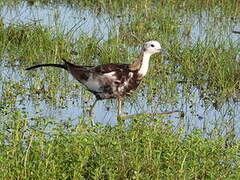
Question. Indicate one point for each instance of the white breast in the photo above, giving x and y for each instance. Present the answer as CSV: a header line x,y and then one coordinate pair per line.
x,y
145,63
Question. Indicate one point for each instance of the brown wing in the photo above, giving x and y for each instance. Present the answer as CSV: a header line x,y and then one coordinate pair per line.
x,y
121,71
78,71
111,67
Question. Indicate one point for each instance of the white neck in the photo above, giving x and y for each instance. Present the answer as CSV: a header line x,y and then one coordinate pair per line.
x,y
145,63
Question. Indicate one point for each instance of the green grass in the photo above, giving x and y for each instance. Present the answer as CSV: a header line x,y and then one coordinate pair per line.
x,y
145,150
33,146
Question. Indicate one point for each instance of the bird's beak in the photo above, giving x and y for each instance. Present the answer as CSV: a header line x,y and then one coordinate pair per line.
x,y
164,52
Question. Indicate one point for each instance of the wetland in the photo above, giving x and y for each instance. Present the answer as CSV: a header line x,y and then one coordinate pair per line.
x,y
45,130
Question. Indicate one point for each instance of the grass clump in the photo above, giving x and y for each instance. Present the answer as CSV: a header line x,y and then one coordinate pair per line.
x,y
141,151
211,68
32,42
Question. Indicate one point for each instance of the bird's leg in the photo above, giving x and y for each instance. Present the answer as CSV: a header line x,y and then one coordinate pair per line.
x,y
92,106
120,104
90,112
120,101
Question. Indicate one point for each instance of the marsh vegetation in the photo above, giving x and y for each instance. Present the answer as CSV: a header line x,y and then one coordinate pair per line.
x,y
45,130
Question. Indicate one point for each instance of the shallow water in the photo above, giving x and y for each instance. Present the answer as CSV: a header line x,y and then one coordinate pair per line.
x,y
78,21
198,113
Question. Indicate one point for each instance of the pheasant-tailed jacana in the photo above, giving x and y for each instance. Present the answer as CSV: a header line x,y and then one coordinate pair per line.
x,y
112,80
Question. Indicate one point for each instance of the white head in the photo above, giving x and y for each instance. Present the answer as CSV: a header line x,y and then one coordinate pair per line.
x,y
152,47
149,48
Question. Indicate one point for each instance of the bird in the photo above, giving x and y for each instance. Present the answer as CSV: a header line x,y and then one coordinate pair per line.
x,y
112,80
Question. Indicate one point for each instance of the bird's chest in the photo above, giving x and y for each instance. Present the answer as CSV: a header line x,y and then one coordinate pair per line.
x,y
130,85
125,84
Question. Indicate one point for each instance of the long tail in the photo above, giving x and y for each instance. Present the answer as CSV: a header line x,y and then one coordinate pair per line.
x,y
45,65
63,66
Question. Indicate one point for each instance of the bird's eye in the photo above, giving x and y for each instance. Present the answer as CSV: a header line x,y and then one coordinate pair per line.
x,y
152,45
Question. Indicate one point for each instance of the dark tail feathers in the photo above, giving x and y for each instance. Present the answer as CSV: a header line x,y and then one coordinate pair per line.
x,y
63,66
